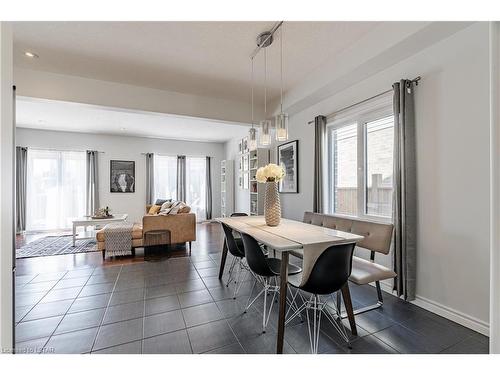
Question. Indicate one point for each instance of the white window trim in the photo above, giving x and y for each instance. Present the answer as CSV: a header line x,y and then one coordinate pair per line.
x,y
360,115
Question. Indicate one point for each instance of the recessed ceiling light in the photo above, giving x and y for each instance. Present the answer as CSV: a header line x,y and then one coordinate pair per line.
x,y
31,55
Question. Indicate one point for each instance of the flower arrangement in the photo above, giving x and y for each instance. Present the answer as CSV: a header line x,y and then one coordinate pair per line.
x,y
270,173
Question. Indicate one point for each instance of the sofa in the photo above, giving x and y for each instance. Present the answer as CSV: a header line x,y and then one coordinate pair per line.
x,y
182,229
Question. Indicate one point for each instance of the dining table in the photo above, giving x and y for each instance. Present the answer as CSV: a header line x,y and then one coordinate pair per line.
x,y
290,237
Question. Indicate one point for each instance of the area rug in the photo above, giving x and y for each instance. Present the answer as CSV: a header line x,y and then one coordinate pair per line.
x,y
55,245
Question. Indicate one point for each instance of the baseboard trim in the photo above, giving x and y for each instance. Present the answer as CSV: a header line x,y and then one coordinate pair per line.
x,y
446,312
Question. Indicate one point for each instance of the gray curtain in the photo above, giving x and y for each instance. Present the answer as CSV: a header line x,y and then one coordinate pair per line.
x,y
21,180
319,148
92,182
181,178
208,191
405,191
150,178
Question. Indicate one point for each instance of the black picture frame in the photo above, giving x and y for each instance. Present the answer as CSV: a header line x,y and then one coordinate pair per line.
x,y
122,176
294,147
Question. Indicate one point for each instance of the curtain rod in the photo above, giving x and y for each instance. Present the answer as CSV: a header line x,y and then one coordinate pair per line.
x,y
189,156
415,80
59,149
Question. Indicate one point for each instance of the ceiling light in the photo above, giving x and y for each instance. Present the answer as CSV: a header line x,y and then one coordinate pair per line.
x,y
123,129
31,55
265,125
282,117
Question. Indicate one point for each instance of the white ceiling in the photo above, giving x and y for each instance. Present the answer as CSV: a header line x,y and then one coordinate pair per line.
x,y
202,58
75,117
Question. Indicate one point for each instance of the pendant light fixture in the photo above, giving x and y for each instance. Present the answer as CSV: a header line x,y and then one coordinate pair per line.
x,y
252,136
265,125
282,117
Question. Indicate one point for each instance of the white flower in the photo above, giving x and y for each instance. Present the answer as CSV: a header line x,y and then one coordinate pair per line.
x,y
270,173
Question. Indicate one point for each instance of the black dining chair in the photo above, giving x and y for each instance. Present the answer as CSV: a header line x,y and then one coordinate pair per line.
x,y
235,248
236,214
266,271
325,271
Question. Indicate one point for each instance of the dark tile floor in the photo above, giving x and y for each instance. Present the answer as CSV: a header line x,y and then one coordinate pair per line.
x,y
178,305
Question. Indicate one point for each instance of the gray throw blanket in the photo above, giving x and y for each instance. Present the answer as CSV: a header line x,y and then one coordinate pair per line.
x,y
118,238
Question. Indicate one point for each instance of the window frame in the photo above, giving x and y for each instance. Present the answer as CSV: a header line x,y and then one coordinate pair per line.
x,y
360,115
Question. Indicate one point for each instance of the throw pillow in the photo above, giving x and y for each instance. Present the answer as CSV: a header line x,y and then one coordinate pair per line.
x,y
185,210
154,209
165,208
159,202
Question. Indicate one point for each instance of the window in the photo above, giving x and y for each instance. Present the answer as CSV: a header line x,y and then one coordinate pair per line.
x,y
360,161
196,186
379,136
55,189
345,164
166,182
165,179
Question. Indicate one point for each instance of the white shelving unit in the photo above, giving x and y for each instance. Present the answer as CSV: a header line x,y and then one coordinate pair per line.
x,y
257,158
227,187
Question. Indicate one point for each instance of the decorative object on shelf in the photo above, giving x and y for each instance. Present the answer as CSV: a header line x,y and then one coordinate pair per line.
x,y
102,213
271,175
122,176
244,145
288,159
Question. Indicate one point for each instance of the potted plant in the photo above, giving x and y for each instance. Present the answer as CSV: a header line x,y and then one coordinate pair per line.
x,y
271,174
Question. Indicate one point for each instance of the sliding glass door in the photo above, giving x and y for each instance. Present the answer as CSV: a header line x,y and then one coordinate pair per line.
x,y
55,189
196,186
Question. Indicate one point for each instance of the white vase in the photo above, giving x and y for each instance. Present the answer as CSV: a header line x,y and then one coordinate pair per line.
x,y
272,207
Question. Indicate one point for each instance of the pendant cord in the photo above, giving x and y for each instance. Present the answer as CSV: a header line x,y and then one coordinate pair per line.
x,y
252,94
281,63
265,83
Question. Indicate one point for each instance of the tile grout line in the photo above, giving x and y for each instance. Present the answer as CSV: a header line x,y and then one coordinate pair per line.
x,y
64,315
106,309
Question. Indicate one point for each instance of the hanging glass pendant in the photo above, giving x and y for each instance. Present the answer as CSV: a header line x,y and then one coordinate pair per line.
x,y
282,127
265,132
252,139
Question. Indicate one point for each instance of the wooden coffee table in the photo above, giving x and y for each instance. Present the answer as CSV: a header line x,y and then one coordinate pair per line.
x,y
88,222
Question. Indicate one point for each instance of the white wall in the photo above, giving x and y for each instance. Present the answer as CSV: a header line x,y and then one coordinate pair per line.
x,y
6,187
40,84
452,121
241,196
126,148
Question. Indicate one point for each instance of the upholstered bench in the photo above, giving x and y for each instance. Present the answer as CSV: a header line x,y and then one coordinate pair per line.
x,y
377,239
136,239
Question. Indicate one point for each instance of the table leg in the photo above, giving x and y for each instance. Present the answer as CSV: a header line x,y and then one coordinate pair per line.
x,y
74,235
346,295
282,310
223,259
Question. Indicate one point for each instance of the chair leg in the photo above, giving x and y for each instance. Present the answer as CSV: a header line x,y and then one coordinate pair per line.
x,y
231,269
380,302
189,248
316,323
346,295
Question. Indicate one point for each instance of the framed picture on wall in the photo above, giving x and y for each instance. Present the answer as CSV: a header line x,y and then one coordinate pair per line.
x,y
288,156
122,176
